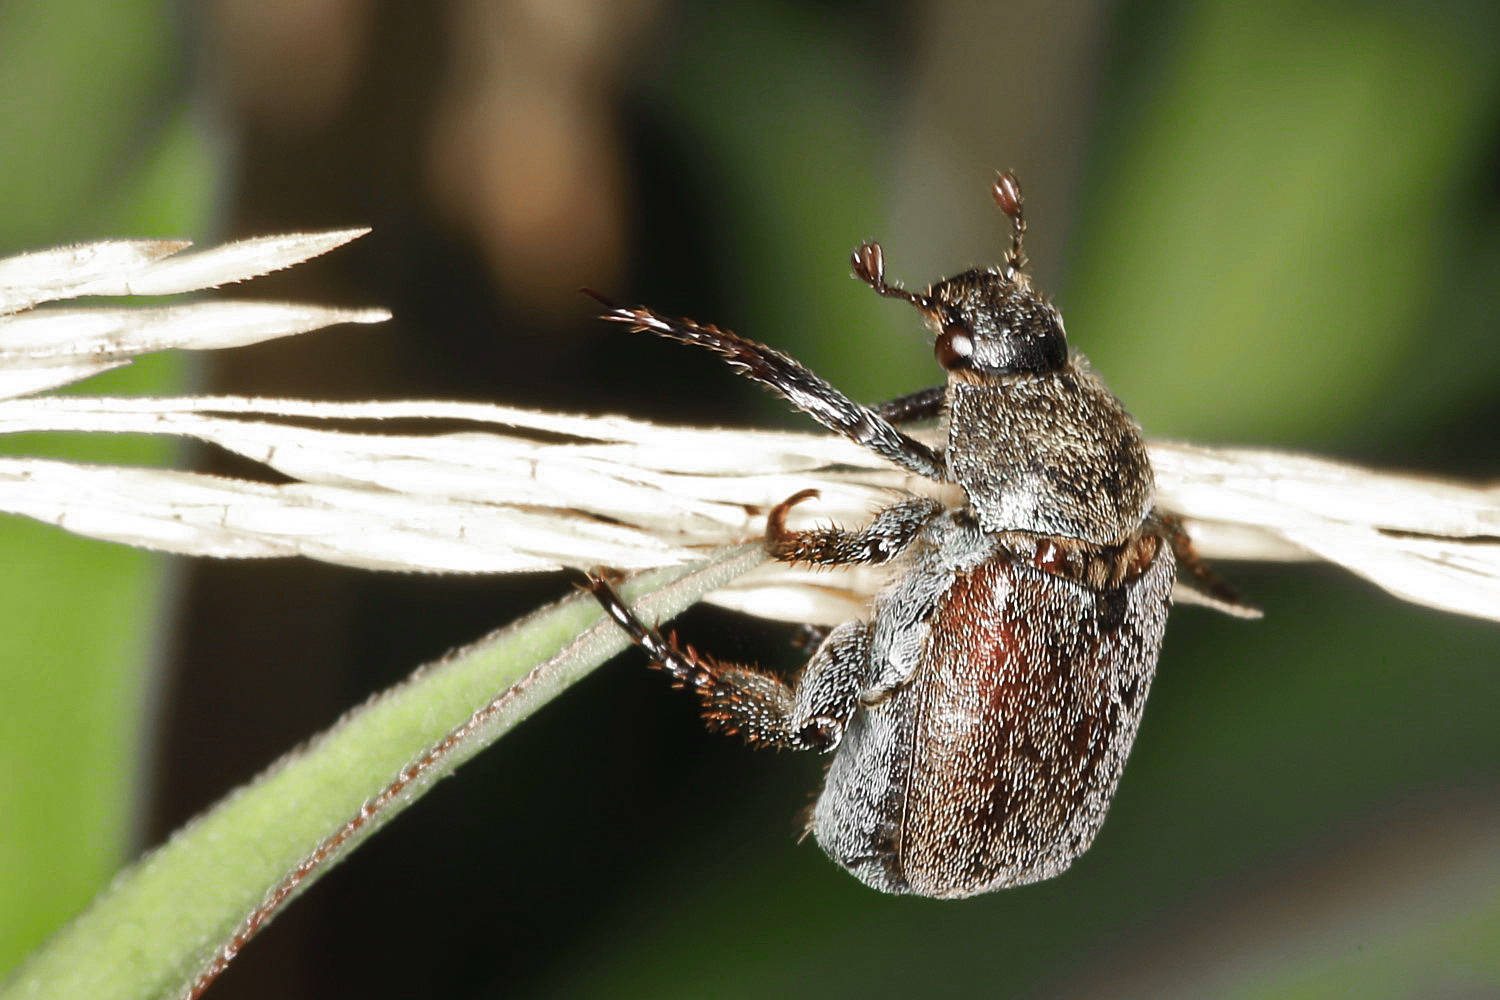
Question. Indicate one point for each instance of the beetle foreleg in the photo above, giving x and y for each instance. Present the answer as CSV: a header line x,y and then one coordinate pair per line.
x,y
795,383
811,715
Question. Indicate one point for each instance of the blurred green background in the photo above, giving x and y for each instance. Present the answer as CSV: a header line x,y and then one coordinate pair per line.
x,y
1273,224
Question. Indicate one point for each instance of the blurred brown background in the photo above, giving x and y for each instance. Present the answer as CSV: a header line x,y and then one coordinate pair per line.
x,y
1271,224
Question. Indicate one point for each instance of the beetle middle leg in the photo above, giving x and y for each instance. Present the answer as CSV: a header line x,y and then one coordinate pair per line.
x,y
893,529
924,404
811,714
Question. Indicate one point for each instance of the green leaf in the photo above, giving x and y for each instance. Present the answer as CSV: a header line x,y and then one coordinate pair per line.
x,y
98,143
166,917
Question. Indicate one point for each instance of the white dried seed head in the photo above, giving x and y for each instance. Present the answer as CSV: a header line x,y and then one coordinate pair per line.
x,y
526,490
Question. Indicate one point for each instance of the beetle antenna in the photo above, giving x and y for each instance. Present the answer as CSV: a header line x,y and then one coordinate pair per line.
x,y
1007,193
868,261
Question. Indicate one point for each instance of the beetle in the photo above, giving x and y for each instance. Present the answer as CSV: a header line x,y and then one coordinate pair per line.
x,y
981,715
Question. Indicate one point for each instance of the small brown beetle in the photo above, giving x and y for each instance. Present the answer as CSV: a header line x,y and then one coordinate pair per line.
x,y
983,713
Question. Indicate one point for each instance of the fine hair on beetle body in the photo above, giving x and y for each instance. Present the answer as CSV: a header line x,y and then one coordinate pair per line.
x,y
980,716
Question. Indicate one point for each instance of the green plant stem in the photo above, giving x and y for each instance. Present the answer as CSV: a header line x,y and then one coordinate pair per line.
x,y
172,920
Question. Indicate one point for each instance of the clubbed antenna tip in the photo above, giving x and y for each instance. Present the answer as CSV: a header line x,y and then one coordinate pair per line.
x,y
1007,194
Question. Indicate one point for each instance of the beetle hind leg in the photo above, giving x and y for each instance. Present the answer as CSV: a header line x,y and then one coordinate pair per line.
x,y
763,709
809,637
1213,590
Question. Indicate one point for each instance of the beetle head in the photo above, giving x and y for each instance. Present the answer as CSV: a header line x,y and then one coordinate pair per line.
x,y
988,322
993,323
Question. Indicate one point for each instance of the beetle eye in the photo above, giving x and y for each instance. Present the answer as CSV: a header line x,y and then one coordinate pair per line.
x,y
954,347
